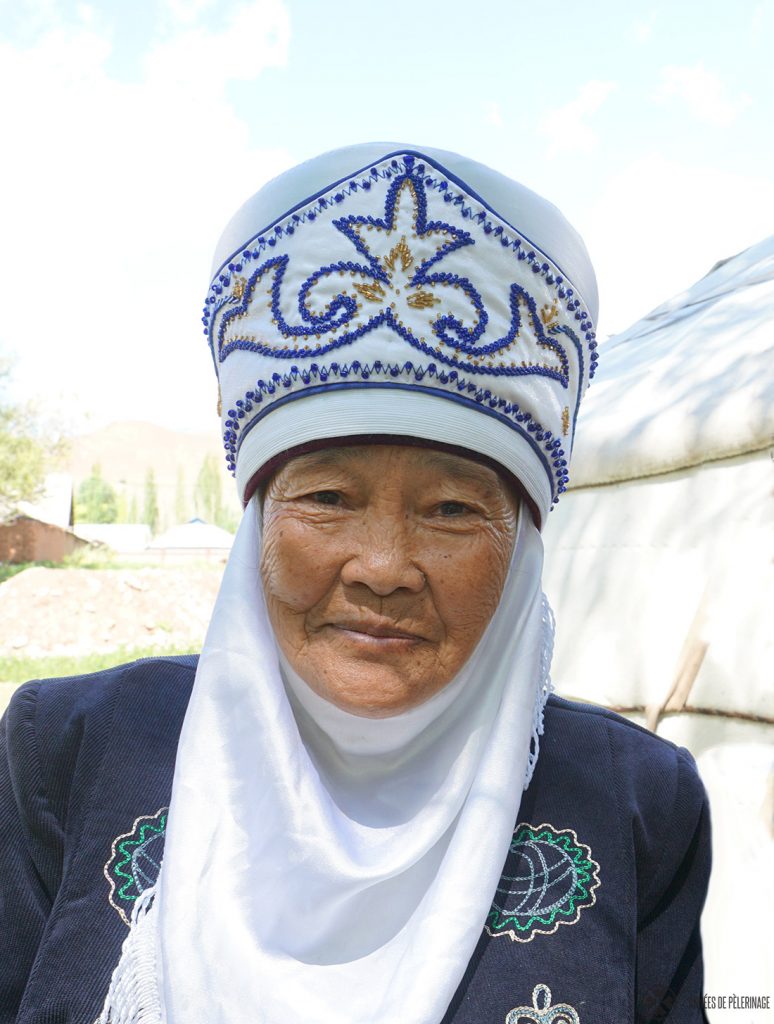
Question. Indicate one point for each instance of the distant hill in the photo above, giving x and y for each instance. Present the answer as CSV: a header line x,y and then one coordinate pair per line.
x,y
126,450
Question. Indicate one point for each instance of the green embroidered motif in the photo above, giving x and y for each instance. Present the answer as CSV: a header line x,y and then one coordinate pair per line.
x,y
549,877
541,1011
135,860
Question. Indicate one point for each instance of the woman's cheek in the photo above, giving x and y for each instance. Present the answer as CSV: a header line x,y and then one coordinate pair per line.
x,y
292,570
468,585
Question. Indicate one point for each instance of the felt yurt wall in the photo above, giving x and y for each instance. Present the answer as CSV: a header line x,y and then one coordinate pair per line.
x,y
658,566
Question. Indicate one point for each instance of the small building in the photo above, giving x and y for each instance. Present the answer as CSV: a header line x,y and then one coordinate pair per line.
x,y
55,503
122,538
192,541
26,539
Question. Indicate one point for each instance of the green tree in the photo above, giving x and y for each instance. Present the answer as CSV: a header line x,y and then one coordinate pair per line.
x,y
22,461
228,520
181,503
122,507
150,512
96,501
208,499
23,453
133,514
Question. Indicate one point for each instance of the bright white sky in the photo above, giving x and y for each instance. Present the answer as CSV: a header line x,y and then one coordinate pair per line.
x,y
132,130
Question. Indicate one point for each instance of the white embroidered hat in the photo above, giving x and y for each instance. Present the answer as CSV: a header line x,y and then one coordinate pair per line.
x,y
380,289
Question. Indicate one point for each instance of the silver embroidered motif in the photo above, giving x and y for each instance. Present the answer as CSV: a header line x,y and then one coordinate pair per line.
x,y
541,1011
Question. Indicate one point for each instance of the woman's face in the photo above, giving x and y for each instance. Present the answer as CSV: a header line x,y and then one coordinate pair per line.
x,y
382,566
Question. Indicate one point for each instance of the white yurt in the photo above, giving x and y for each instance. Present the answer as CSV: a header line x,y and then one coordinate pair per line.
x,y
668,521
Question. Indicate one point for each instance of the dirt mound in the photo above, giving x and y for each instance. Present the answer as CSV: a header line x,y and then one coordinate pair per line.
x,y
80,611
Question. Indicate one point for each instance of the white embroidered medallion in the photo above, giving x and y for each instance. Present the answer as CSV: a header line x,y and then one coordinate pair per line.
x,y
549,877
541,1011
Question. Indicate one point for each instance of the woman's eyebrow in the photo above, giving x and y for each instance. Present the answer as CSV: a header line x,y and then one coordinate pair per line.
x,y
459,468
463,469
323,458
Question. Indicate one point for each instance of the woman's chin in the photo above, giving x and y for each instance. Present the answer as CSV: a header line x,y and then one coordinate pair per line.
x,y
375,691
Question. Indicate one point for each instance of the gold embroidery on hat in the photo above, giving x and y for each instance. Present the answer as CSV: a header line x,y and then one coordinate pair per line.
x,y
422,299
453,310
399,259
402,251
373,292
550,315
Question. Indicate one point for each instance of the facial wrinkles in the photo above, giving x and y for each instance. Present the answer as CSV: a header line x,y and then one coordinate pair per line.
x,y
383,558
377,579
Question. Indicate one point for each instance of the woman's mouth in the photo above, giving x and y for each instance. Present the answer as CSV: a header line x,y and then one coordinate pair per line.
x,y
375,633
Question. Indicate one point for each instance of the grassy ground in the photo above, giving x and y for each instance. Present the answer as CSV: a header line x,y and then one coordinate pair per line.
x,y
7,570
20,669
78,560
83,558
17,667
14,671
96,558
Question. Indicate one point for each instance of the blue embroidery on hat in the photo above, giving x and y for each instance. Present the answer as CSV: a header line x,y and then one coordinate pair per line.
x,y
393,280
135,861
450,385
406,165
549,877
402,271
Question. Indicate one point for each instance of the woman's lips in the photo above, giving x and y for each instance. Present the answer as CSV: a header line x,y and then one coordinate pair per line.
x,y
375,633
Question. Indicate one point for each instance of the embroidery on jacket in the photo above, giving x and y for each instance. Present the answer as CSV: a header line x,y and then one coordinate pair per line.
x,y
135,860
549,877
541,1011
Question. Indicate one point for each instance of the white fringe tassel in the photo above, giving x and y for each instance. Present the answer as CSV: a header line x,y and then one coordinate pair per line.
x,y
133,996
545,687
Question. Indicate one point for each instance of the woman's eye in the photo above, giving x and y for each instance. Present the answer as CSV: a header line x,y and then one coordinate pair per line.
x,y
452,508
326,497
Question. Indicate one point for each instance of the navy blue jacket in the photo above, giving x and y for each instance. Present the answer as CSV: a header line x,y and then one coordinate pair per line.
x,y
598,908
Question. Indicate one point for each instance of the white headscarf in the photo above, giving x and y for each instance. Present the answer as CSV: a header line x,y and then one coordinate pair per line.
x,y
324,867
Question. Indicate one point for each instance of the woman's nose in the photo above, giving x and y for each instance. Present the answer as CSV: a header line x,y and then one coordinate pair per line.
x,y
384,562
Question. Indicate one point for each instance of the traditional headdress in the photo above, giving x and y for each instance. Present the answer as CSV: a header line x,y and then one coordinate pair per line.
x,y
410,294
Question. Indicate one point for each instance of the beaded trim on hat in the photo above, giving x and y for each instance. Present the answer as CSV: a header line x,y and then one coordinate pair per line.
x,y
487,318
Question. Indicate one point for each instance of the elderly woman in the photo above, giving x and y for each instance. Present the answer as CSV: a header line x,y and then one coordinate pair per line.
x,y
361,826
